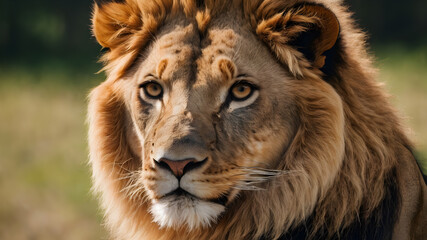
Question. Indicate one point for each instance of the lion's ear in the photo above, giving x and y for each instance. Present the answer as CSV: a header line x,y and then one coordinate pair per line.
x,y
114,20
308,29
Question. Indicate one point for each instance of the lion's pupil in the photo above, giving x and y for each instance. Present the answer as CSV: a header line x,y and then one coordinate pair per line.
x,y
154,89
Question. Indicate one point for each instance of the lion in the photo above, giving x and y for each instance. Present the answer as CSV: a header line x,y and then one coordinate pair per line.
x,y
246,119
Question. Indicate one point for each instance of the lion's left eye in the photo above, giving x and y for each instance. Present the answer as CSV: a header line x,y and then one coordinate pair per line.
x,y
152,90
241,91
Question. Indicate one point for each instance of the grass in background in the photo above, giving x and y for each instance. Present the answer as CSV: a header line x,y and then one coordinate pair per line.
x,y
405,74
44,176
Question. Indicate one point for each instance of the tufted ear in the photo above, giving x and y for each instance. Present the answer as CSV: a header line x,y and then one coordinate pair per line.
x,y
114,21
123,28
305,31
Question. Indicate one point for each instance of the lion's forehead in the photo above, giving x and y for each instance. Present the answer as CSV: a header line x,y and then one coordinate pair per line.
x,y
182,53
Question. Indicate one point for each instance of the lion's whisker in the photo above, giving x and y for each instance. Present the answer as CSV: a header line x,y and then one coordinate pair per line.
x,y
254,176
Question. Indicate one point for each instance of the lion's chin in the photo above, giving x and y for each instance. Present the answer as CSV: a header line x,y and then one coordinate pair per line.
x,y
185,210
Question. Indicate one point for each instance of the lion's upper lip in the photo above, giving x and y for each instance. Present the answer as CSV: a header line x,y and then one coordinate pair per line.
x,y
222,200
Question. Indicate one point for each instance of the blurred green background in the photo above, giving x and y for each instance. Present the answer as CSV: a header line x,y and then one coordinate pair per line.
x,y
47,66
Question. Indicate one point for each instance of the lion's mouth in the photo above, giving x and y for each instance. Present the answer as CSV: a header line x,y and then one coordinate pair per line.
x,y
179,192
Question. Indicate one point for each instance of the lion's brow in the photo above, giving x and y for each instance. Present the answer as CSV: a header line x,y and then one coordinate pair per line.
x,y
227,68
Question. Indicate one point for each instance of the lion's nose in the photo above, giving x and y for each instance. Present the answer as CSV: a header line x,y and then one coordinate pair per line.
x,y
179,167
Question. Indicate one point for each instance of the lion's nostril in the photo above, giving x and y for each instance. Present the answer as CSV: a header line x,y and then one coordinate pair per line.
x,y
179,167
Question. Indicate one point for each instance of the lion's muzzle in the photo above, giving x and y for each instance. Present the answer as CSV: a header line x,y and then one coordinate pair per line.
x,y
179,167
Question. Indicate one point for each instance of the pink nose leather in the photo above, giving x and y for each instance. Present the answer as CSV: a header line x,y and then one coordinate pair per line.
x,y
177,167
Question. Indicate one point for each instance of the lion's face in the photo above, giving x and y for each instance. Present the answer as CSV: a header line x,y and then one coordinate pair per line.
x,y
210,115
241,119
201,109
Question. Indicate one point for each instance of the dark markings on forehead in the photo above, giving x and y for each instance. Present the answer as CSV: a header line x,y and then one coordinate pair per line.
x,y
227,68
225,37
185,52
179,50
161,67
167,45
178,33
219,42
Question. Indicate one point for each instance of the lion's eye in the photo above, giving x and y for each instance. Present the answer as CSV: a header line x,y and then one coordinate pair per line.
x,y
241,91
152,90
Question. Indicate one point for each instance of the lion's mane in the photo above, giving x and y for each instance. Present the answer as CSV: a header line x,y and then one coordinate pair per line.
x,y
370,143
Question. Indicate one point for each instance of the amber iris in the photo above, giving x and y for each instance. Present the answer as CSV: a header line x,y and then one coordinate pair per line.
x,y
241,91
153,90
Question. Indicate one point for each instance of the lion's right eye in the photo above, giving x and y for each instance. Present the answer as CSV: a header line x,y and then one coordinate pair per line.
x,y
152,90
241,91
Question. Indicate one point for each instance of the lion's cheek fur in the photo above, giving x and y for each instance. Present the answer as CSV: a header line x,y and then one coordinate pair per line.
x,y
106,111
311,173
321,130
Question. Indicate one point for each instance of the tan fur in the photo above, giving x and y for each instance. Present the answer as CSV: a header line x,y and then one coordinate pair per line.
x,y
328,146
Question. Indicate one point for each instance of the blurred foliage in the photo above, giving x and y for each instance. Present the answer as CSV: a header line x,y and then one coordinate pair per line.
x,y
404,72
392,21
61,29
47,28
44,177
